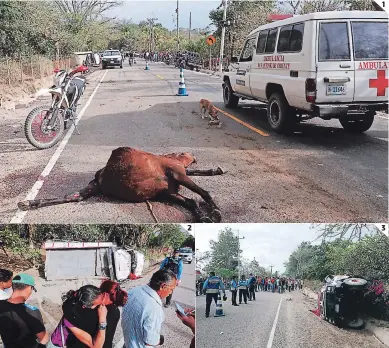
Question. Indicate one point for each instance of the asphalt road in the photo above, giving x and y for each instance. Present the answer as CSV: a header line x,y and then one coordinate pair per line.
x,y
257,325
318,174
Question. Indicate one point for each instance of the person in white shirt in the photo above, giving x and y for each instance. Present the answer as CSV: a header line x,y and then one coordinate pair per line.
x,y
5,284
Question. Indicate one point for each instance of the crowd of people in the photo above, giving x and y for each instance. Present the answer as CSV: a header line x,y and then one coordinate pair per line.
x,y
90,314
243,289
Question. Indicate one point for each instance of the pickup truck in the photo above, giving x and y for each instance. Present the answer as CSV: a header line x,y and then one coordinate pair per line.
x,y
112,58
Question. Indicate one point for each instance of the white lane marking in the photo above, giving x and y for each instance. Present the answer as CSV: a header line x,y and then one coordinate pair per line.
x,y
20,214
120,344
273,329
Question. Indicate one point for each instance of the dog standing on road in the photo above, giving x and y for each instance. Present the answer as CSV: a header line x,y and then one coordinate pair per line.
x,y
207,109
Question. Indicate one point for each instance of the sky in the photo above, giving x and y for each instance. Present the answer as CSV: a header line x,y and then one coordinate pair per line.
x,y
164,10
270,244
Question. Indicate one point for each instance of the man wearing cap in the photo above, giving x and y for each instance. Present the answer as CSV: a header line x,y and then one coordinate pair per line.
x,y
21,325
175,265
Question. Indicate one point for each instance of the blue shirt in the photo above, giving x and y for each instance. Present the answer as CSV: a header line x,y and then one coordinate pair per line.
x,y
142,318
234,286
180,267
220,284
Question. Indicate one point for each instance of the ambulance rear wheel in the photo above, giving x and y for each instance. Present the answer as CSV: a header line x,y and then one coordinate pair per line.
x,y
280,115
358,126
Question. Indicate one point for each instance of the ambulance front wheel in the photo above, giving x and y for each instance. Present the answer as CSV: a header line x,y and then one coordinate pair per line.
x,y
358,126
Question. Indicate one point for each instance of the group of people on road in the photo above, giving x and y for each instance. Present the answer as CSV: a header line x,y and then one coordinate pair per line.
x,y
243,289
90,314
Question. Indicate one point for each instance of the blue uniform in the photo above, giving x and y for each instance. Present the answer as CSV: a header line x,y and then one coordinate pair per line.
x,y
212,285
234,286
234,290
243,290
175,265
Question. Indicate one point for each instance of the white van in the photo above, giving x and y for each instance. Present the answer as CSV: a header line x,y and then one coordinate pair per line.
x,y
326,64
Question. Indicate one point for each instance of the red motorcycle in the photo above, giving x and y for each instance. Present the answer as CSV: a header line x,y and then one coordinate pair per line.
x,y
45,125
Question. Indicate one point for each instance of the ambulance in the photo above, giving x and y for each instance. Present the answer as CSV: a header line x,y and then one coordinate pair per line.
x,y
332,65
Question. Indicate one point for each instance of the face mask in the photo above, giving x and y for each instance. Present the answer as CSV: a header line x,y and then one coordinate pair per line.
x,y
8,291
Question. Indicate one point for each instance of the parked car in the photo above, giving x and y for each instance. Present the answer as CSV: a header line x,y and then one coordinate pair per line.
x,y
186,254
112,58
331,65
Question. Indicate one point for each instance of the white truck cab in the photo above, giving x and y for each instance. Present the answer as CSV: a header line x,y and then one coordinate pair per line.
x,y
326,64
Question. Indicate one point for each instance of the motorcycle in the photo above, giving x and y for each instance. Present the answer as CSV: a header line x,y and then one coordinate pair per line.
x,y
340,300
45,125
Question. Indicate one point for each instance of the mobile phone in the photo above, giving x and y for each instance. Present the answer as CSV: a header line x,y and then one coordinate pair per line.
x,y
180,310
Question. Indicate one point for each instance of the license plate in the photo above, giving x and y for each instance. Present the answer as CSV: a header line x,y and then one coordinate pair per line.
x,y
336,89
112,61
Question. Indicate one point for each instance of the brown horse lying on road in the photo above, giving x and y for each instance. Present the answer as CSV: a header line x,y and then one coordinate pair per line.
x,y
138,176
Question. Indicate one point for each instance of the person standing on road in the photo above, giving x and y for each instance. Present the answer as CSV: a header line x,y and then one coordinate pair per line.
x,y
242,289
251,285
212,286
5,284
234,291
175,265
143,315
21,325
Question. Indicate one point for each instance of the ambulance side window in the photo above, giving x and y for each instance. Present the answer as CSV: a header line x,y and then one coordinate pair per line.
x,y
334,43
271,41
370,40
262,41
284,38
247,53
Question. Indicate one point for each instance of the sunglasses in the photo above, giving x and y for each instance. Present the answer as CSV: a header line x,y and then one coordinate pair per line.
x,y
34,288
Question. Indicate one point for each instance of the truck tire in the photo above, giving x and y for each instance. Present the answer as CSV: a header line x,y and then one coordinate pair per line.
x,y
230,100
358,126
357,323
279,114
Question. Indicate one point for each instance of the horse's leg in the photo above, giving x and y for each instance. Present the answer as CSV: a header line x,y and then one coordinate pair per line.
x,y
91,190
187,203
205,172
184,180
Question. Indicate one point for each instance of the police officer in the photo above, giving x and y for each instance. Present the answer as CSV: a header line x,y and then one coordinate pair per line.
x,y
251,285
234,290
212,286
242,289
174,264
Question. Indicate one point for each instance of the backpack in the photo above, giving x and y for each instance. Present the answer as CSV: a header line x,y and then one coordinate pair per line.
x,y
172,265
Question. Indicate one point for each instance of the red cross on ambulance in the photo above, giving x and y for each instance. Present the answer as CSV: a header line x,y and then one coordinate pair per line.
x,y
381,83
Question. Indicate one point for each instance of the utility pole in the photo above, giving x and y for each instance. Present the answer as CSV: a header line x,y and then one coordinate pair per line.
x,y
151,29
178,30
271,270
223,35
239,238
190,23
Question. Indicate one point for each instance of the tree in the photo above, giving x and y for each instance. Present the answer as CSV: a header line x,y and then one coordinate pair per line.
x,y
189,242
202,258
245,16
79,14
350,232
224,251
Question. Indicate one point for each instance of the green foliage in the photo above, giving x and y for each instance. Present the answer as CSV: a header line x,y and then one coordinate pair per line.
x,y
189,242
141,236
224,251
18,245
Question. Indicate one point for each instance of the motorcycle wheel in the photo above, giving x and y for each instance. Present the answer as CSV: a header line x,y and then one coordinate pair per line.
x,y
357,323
33,129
